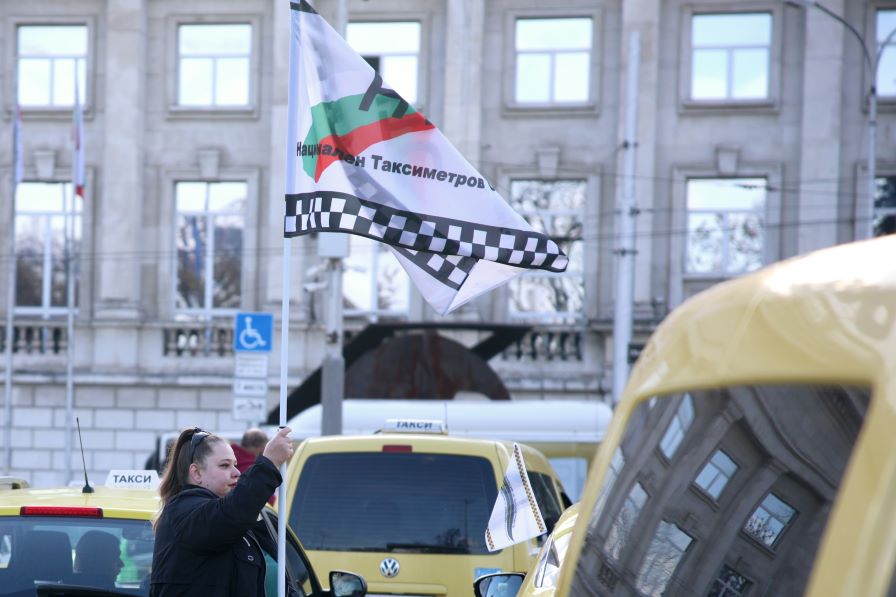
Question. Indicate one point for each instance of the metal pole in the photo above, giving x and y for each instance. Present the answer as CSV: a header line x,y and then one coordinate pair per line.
x,y
284,369
10,314
341,16
333,366
69,327
333,246
872,156
625,220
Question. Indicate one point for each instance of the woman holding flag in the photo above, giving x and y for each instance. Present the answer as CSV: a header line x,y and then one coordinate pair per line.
x,y
205,543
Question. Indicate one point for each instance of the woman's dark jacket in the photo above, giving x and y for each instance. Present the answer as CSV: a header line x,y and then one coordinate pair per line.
x,y
204,545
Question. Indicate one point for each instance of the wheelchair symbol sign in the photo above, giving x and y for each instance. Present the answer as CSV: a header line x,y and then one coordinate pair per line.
x,y
253,332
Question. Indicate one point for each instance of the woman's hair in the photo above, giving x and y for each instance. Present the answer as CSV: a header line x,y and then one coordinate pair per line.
x,y
192,445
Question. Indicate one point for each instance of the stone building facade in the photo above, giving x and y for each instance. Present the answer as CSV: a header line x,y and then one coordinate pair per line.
x,y
751,147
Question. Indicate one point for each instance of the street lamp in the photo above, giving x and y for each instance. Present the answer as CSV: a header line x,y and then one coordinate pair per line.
x,y
872,60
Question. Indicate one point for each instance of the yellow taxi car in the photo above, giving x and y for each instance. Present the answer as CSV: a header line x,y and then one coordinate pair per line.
x,y
408,511
753,451
65,541
541,580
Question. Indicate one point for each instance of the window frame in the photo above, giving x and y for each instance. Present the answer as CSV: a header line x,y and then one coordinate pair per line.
x,y
253,260
423,72
91,60
176,111
623,535
646,564
590,246
591,106
682,283
771,103
885,103
83,291
888,172
776,493
725,214
686,398
719,473
724,584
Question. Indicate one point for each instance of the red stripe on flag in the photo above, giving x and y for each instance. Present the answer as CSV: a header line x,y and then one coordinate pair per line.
x,y
364,136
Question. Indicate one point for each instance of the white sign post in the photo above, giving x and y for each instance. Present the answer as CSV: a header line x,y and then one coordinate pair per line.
x,y
252,341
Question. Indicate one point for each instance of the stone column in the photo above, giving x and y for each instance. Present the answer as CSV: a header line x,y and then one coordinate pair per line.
x,y
464,26
118,229
822,128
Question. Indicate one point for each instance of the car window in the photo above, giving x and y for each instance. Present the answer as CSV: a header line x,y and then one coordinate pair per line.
x,y
394,501
543,487
299,569
741,505
101,553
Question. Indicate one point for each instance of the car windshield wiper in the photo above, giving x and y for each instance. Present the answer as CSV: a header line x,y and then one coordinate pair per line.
x,y
426,548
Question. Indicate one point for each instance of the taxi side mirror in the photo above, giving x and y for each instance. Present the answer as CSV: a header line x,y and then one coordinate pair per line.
x,y
501,584
347,584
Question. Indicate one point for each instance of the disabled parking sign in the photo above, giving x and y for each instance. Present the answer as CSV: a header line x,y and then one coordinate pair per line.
x,y
253,332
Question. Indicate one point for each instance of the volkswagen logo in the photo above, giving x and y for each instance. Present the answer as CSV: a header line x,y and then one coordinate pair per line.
x,y
389,567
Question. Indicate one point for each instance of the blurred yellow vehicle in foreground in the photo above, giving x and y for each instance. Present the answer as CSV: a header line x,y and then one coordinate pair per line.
x,y
754,449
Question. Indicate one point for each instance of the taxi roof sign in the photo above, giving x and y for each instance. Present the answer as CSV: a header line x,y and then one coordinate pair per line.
x,y
415,426
133,479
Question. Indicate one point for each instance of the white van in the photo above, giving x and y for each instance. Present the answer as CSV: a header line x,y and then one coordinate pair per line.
x,y
566,431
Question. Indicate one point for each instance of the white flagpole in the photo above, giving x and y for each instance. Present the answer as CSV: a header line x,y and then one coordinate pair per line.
x,y
284,367
15,174
285,282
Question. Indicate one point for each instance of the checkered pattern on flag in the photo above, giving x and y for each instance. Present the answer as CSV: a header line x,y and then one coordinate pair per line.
x,y
516,516
361,160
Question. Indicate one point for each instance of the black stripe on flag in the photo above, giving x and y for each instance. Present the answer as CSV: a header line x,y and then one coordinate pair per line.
x,y
341,212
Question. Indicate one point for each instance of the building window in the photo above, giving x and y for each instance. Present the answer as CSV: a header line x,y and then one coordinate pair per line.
x,y
666,549
49,59
616,466
40,246
374,283
392,49
886,66
725,225
625,522
553,61
213,65
729,583
730,57
716,474
209,242
769,519
678,426
556,208
885,206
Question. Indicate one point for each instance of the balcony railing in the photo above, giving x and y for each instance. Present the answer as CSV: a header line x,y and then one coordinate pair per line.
x,y
547,345
43,337
209,340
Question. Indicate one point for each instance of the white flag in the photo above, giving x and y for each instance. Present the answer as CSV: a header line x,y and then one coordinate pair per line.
x,y
361,160
18,168
78,142
516,516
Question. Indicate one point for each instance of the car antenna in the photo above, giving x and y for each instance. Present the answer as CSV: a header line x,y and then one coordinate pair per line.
x,y
87,488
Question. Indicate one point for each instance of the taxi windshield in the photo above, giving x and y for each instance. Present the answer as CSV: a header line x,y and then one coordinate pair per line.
x,y
394,502
111,554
